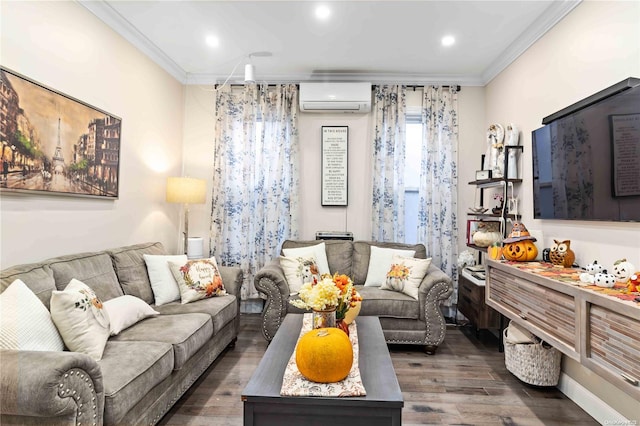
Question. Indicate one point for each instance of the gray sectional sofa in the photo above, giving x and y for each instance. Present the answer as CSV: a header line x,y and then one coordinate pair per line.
x,y
143,371
404,320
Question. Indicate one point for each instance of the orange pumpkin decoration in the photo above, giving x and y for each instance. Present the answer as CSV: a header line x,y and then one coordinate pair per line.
x,y
520,251
495,252
519,245
324,355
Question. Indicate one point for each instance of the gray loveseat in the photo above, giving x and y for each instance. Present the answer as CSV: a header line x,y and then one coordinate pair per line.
x,y
404,320
143,371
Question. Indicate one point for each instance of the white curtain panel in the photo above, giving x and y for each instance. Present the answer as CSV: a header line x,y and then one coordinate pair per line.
x,y
438,193
389,118
255,179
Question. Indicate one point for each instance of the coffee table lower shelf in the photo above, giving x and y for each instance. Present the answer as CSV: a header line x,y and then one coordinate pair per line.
x,y
264,406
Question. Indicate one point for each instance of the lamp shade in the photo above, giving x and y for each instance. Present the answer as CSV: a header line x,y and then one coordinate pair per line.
x,y
186,190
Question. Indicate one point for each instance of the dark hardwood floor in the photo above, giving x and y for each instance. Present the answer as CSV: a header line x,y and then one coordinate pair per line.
x,y
465,383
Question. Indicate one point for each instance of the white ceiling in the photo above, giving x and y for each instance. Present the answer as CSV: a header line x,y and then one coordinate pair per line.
x,y
377,41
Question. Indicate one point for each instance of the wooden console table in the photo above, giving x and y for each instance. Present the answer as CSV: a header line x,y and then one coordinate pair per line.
x,y
600,331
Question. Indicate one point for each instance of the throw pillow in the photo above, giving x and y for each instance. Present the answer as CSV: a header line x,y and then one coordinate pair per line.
x,y
81,319
406,274
318,251
125,311
164,286
380,263
299,270
198,279
25,323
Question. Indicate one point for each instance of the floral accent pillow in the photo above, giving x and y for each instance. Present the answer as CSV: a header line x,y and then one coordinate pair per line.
x,y
198,279
299,270
406,274
80,318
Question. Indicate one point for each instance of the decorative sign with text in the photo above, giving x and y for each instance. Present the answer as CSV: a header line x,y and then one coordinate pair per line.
x,y
334,165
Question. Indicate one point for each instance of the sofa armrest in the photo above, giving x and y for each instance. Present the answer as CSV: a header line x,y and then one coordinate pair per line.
x,y
51,385
232,278
271,283
435,287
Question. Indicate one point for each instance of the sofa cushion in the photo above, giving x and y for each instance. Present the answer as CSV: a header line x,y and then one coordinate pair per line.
x,y
317,250
164,285
299,270
132,271
362,254
37,276
25,323
385,303
380,264
124,311
186,332
339,253
93,269
197,279
81,319
222,309
406,274
129,371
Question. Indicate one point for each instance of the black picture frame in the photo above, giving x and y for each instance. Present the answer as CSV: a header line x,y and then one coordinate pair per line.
x,y
334,189
54,144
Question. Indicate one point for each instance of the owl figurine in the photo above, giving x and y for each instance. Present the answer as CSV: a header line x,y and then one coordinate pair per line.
x,y
561,253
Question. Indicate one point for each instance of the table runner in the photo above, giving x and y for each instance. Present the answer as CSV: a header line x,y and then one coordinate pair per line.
x,y
294,384
572,276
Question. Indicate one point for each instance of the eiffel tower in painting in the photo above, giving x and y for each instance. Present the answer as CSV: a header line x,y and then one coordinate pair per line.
x,y
58,159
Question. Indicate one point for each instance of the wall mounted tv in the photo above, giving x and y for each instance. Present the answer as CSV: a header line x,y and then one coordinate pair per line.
x,y
586,159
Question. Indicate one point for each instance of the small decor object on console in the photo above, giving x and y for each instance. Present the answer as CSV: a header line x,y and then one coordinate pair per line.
x,y
623,270
519,245
634,283
605,280
561,254
324,355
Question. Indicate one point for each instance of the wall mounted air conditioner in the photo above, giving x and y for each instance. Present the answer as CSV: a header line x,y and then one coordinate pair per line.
x,y
335,97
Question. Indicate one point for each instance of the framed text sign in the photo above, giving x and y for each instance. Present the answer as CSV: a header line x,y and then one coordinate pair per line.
x,y
55,144
334,165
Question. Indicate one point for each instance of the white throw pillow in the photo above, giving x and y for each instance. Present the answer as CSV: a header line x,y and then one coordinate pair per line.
x,y
81,319
380,263
198,279
406,274
25,323
318,251
125,311
299,270
164,285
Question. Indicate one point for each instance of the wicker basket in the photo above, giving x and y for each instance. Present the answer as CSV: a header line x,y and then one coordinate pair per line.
x,y
533,363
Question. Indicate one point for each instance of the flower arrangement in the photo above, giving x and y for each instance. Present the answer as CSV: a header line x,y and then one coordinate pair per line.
x,y
331,292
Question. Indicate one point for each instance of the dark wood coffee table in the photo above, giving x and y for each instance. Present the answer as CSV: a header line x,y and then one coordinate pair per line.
x,y
263,405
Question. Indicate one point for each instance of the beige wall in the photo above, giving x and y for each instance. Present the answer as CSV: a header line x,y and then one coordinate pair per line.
x,y
65,47
595,46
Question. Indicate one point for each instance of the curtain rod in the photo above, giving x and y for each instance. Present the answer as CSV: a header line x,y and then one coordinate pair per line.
x,y
409,86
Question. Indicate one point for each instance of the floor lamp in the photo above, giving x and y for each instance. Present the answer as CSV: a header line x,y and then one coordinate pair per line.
x,y
186,191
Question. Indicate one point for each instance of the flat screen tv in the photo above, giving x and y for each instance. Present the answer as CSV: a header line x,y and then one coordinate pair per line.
x,y
586,159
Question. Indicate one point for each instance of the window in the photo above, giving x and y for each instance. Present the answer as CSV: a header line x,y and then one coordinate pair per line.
x,y
413,153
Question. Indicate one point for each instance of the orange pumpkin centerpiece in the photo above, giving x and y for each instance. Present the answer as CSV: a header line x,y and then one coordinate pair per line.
x,y
519,245
324,355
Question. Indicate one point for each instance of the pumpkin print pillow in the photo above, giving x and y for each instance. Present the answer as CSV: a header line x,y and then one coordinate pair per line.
x,y
198,279
406,274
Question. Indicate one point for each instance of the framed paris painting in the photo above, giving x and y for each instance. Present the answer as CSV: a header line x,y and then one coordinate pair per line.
x,y
55,144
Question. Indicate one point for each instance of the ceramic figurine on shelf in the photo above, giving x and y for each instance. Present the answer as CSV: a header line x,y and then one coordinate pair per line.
x,y
494,159
634,283
512,138
561,253
594,268
603,279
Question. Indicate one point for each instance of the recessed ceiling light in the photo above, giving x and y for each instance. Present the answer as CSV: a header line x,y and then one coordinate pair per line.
x,y
322,12
448,40
212,41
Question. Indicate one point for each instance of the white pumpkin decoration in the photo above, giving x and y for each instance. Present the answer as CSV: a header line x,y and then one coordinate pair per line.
x,y
623,270
605,280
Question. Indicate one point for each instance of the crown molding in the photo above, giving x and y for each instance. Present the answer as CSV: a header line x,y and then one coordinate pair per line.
x,y
129,32
549,18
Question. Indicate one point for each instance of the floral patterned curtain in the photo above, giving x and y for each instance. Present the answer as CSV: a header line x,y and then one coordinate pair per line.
x,y
389,116
255,179
438,193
